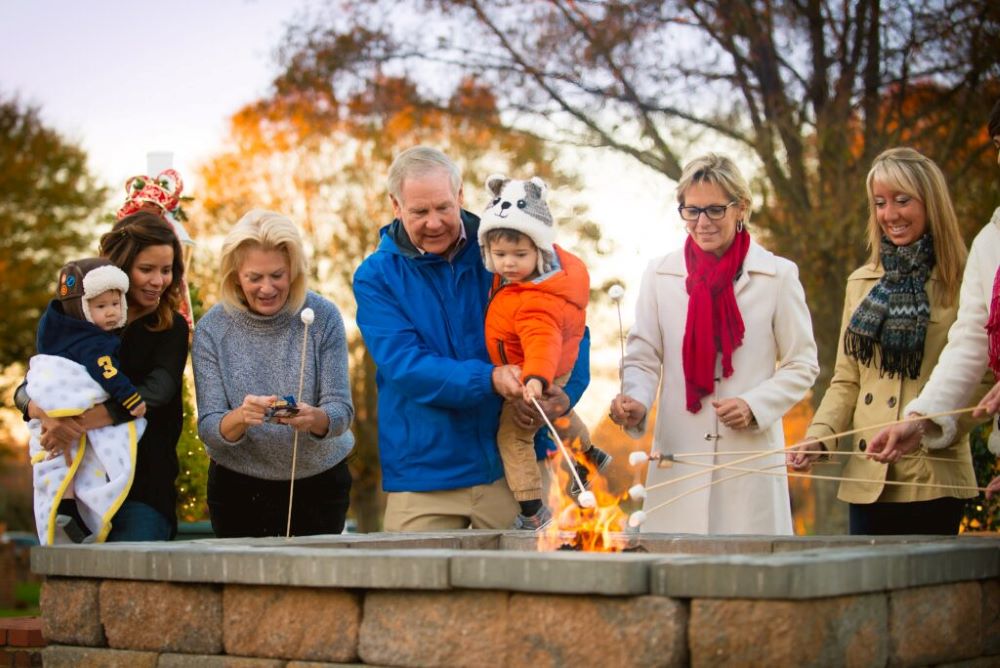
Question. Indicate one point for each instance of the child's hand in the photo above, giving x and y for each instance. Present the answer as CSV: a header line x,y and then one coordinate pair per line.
x,y
532,390
139,410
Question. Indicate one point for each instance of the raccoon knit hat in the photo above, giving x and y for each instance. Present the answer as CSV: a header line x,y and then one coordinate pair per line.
x,y
521,206
82,280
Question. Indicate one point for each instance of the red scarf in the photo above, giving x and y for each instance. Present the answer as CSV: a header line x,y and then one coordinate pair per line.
x,y
993,327
711,308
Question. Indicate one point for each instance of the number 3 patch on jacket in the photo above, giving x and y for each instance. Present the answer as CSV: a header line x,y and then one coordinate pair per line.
x,y
109,369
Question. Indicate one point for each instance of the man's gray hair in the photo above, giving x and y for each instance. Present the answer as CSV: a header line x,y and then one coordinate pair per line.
x,y
417,162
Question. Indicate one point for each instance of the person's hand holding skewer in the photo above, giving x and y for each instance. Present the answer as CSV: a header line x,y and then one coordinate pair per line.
x,y
554,402
804,454
626,411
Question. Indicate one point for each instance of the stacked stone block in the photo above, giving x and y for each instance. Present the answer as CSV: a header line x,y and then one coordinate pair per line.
x,y
247,603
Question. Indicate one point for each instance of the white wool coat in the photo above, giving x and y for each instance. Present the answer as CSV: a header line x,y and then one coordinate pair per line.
x,y
963,361
772,370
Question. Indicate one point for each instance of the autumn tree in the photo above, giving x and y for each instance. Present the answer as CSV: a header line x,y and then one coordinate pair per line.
x,y
322,158
48,204
799,86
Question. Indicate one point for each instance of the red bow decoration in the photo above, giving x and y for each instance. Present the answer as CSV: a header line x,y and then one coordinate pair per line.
x,y
162,192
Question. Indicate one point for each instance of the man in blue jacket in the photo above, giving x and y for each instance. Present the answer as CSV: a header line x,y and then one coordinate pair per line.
x,y
422,299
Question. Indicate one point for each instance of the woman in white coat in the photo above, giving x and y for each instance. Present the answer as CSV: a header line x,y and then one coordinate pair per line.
x,y
727,371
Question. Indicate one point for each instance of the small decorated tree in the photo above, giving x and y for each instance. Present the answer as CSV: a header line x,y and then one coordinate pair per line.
x,y
192,480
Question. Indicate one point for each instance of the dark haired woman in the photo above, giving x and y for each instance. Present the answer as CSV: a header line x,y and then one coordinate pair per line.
x,y
153,353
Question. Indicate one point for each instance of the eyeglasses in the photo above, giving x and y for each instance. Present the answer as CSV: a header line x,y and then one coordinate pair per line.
x,y
714,211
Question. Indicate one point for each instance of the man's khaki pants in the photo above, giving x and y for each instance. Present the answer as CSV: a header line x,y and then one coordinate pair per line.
x,y
479,507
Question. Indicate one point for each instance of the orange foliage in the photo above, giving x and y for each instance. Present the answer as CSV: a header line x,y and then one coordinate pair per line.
x,y
795,422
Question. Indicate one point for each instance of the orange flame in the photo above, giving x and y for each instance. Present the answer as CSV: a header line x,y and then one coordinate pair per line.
x,y
595,529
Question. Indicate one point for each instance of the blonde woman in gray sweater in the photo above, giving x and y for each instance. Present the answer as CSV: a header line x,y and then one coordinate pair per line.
x,y
247,353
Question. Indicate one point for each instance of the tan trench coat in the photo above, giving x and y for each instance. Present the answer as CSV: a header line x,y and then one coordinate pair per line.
x,y
858,396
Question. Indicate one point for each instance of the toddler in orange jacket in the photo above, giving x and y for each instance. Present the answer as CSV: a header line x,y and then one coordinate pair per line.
x,y
535,319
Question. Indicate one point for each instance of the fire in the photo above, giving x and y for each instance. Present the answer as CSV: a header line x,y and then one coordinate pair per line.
x,y
595,529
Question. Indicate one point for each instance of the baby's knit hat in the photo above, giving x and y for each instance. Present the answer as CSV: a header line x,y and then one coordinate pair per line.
x,y
521,206
82,280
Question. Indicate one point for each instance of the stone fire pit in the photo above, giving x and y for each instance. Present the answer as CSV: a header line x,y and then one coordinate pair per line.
x,y
487,598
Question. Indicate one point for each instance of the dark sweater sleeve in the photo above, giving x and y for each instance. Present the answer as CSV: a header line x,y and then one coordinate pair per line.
x,y
21,399
167,358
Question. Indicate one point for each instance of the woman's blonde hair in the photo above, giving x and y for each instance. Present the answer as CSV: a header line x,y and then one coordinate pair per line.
x,y
266,231
914,174
718,170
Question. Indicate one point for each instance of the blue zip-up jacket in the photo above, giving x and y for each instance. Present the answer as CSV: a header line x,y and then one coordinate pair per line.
x,y
422,319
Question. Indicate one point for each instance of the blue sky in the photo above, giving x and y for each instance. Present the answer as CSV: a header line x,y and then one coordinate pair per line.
x,y
125,78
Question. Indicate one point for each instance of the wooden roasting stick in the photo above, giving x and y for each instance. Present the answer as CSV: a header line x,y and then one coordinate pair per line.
x,y
753,454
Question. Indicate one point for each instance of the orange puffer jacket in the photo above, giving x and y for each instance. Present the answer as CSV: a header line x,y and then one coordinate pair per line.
x,y
538,324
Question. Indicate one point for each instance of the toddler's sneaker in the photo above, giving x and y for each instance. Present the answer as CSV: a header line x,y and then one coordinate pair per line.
x,y
598,458
535,522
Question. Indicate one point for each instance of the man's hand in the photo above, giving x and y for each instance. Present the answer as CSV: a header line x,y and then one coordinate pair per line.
x,y
890,444
554,402
507,381
626,411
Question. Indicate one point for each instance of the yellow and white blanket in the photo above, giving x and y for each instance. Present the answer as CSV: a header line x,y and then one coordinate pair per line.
x,y
103,462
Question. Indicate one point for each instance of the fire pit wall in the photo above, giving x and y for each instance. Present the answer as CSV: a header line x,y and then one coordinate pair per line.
x,y
488,598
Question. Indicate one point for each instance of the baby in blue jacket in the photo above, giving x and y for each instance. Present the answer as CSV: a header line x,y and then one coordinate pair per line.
x,y
76,368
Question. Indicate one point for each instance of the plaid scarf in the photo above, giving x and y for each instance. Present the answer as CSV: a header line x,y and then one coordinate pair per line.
x,y
889,325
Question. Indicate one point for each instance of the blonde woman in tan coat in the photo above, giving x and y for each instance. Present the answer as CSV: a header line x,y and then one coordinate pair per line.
x,y
898,309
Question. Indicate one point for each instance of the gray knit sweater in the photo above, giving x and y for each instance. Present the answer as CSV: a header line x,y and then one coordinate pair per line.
x,y
237,353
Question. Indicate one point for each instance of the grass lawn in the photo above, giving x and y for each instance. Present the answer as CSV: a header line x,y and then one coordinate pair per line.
x,y
26,600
